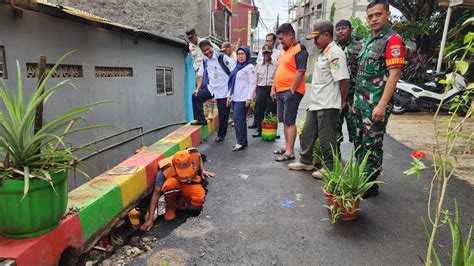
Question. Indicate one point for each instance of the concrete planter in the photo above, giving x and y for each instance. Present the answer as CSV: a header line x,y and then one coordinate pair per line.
x,y
38,213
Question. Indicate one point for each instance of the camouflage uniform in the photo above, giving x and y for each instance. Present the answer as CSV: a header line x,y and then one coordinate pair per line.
x,y
380,52
352,49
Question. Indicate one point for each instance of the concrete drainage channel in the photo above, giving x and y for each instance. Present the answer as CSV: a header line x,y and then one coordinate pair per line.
x,y
126,241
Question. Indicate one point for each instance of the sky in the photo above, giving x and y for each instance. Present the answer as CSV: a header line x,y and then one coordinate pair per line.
x,y
269,9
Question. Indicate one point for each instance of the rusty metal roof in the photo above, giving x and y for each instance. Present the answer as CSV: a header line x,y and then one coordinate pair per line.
x,y
86,18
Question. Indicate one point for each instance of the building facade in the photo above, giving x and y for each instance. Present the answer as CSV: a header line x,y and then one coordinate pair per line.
x,y
244,22
303,13
143,72
210,18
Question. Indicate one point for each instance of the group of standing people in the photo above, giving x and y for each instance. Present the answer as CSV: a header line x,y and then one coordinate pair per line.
x,y
233,84
353,81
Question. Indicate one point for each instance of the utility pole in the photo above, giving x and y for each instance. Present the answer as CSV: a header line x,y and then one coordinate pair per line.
x,y
278,21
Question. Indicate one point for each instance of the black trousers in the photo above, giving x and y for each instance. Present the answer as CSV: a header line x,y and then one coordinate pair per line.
x,y
224,111
204,95
198,100
264,104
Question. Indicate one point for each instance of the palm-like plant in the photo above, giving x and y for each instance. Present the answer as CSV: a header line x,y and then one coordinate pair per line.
x,y
36,154
346,184
350,178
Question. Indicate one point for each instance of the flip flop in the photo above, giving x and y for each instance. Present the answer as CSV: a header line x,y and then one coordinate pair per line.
x,y
279,152
285,157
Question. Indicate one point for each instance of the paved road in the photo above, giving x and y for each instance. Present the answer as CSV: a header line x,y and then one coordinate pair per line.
x,y
244,221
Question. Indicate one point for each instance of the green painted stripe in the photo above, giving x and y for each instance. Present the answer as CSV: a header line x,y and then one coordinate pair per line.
x,y
167,148
97,204
204,132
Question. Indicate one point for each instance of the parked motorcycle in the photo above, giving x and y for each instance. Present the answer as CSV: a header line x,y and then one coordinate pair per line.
x,y
412,97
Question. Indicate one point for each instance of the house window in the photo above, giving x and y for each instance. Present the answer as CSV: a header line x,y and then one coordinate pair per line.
x,y
3,62
164,80
63,71
113,72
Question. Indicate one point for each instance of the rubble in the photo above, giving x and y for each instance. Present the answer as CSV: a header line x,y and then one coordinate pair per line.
x,y
136,247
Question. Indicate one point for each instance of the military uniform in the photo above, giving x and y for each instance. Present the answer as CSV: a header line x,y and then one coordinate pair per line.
x,y
380,53
351,49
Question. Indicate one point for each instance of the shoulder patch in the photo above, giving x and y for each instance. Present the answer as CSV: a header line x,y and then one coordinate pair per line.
x,y
335,63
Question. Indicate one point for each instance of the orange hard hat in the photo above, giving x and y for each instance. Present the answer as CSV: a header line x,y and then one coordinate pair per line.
x,y
186,163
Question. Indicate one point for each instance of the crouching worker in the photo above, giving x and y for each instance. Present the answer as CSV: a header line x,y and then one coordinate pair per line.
x,y
181,178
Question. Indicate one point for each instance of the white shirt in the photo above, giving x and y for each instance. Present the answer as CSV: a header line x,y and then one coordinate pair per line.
x,y
275,54
245,82
218,79
330,68
197,54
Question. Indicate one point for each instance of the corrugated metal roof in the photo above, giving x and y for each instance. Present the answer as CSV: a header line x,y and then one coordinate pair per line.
x,y
83,17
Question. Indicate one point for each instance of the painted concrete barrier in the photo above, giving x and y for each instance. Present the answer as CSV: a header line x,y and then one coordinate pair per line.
x,y
102,199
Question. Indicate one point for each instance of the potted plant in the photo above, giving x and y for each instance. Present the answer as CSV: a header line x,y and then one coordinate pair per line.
x,y
269,127
34,162
344,186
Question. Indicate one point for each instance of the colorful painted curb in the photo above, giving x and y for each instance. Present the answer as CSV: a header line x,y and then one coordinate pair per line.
x,y
101,199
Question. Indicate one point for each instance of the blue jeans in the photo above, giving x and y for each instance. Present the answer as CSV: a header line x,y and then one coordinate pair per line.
x,y
240,123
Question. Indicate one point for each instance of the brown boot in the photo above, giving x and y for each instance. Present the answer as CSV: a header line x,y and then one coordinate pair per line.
x,y
170,213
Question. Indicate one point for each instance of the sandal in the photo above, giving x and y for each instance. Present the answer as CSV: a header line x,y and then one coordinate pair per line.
x,y
285,157
279,152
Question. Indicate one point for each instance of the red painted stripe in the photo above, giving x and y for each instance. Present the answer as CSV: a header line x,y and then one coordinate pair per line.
x,y
149,160
45,249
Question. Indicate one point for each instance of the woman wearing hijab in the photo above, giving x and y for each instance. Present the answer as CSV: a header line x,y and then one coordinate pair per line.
x,y
242,82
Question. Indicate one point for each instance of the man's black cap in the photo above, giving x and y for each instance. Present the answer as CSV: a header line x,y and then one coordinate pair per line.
x,y
343,22
190,32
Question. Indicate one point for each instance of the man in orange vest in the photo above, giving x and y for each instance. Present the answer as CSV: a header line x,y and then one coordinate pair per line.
x,y
180,179
289,87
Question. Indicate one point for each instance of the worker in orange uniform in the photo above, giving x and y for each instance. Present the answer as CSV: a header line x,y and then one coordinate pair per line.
x,y
180,178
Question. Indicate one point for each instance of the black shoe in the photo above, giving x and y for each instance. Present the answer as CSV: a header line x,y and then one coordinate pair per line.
x,y
219,139
372,192
199,123
252,126
257,134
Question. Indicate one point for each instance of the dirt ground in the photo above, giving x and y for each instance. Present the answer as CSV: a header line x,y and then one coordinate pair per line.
x,y
415,130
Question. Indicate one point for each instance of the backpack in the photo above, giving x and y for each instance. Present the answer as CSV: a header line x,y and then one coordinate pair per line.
x,y
220,58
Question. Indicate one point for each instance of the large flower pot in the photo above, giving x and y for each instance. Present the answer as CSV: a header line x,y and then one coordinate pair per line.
x,y
38,213
348,214
269,131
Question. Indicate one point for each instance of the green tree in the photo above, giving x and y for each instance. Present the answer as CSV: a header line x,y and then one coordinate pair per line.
x,y
424,22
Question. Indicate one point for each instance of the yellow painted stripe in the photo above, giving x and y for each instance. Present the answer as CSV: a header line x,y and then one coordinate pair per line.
x,y
186,143
131,185
210,126
268,131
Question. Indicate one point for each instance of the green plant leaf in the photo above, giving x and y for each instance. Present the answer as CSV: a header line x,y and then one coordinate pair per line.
x,y
467,247
468,21
457,257
37,154
462,66
434,255
468,37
